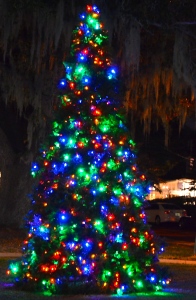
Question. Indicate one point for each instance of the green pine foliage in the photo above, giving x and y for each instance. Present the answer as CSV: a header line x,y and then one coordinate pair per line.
x,y
87,231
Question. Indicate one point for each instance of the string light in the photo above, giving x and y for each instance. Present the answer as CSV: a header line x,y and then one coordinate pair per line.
x,y
86,224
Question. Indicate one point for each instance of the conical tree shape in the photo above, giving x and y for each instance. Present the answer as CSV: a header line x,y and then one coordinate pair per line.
x,y
87,229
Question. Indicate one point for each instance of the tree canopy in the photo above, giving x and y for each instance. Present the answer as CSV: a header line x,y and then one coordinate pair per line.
x,y
154,43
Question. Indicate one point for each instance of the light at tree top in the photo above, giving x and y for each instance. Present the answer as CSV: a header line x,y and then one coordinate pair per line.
x,y
87,230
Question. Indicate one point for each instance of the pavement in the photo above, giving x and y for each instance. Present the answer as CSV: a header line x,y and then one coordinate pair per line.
x,y
177,261
10,254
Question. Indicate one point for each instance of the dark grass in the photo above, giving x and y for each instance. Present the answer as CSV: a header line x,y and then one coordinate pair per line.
x,y
11,239
177,250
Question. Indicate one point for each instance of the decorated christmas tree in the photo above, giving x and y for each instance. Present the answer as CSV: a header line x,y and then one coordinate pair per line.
x,y
87,230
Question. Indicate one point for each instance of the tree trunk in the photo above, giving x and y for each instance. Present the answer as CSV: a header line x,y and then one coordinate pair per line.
x,y
15,184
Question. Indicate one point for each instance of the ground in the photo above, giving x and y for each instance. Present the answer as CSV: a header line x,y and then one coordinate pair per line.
x,y
11,239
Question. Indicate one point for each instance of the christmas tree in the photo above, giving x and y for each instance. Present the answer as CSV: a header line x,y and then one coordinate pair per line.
x,y
87,230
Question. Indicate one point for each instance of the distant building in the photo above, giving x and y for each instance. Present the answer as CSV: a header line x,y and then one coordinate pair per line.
x,y
173,188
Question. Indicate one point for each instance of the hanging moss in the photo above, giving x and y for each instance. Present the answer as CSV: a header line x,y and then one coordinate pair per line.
x,y
156,59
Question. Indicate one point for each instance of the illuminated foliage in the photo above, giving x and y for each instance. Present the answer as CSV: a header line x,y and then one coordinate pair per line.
x,y
87,228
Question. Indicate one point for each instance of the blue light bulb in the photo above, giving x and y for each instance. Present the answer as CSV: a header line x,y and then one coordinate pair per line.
x,y
86,80
62,83
95,9
111,74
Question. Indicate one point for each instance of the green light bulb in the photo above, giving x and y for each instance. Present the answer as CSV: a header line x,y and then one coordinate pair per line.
x,y
119,153
71,142
99,226
14,268
57,145
66,157
142,239
119,292
102,188
33,174
139,284
44,282
117,191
